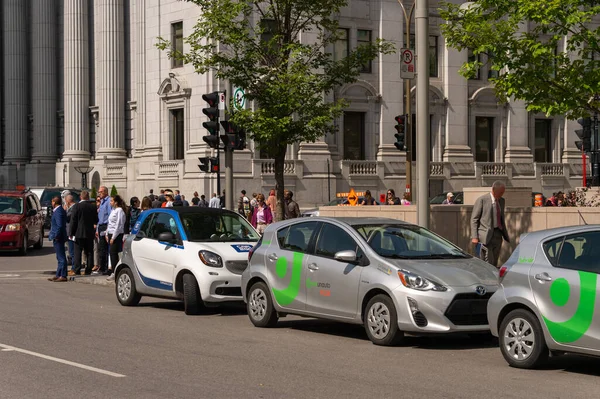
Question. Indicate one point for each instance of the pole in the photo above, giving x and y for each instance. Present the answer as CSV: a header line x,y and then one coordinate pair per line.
x,y
328,183
228,179
584,158
422,23
408,97
595,160
218,171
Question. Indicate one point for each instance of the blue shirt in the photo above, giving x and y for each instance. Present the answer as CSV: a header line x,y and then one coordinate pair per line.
x,y
104,211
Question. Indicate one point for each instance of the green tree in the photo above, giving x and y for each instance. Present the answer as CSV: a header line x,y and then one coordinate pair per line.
x,y
546,52
94,193
279,52
113,191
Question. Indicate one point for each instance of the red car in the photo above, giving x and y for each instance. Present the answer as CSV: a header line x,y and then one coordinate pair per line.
x,y
21,222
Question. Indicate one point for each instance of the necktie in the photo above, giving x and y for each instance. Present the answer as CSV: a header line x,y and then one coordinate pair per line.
x,y
498,216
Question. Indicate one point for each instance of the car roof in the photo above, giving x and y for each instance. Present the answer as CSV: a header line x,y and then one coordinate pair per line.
x,y
355,221
14,193
541,235
193,209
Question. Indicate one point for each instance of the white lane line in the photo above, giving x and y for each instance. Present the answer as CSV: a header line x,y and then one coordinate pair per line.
x,y
28,271
63,361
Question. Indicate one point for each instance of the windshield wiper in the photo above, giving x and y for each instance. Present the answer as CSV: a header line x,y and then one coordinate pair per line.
x,y
394,256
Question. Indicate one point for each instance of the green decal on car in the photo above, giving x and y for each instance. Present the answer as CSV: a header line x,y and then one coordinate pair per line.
x,y
525,260
287,295
574,328
310,283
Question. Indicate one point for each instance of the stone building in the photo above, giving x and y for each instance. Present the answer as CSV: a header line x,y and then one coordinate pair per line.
x,y
83,84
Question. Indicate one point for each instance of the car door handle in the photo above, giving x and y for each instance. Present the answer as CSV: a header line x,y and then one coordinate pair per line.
x,y
313,266
273,257
543,277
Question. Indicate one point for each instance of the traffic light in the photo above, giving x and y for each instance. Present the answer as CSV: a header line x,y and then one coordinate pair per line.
x,y
234,137
585,134
214,165
400,135
212,111
204,164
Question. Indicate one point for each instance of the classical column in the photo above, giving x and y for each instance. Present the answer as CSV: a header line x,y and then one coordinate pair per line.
x,y
140,134
111,79
456,89
43,68
15,80
517,134
76,77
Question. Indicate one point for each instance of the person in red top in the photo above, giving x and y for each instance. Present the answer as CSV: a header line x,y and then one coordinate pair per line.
x,y
261,215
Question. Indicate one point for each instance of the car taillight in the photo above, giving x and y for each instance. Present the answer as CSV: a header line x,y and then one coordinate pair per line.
x,y
502,272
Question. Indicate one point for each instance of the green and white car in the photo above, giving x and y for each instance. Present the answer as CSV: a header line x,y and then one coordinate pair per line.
x,y
546,303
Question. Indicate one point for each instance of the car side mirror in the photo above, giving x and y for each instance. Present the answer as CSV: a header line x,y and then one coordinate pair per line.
x,y
346,257
167,237
31,212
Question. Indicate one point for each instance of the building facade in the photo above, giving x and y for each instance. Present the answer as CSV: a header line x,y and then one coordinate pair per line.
x,y
84,85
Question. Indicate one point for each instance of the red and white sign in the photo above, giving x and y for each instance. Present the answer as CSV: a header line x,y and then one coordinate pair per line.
x,y
407,64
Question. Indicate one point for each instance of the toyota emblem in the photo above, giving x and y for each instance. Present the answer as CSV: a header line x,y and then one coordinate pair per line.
x,y
480,290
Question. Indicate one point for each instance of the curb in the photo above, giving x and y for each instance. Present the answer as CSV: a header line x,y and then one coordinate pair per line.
x,y
95,280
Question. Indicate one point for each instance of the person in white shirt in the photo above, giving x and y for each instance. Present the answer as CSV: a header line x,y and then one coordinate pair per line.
x,y
115,230
215,202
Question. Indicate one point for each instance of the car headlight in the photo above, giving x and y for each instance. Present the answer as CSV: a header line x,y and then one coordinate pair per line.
x,y
12,227
416,282
210,259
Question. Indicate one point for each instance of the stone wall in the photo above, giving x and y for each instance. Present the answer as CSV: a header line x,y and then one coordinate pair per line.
x,y
453,222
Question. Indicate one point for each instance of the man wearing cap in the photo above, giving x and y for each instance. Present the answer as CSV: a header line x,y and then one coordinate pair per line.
x,y
449,199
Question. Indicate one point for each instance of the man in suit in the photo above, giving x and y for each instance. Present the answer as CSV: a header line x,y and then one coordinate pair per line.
x,y
58,236
84,218
487,223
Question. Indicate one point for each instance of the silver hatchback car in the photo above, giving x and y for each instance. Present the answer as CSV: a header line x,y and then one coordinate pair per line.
x,y
547,296
391,276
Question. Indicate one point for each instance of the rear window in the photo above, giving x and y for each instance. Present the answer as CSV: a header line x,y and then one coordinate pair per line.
x,y
51,193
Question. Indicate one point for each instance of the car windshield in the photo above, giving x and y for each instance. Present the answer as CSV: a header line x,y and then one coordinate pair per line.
x,y
201,227
51,193
398,241
11,206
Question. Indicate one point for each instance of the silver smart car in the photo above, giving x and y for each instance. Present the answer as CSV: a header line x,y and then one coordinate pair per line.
x,y
547,296
391,276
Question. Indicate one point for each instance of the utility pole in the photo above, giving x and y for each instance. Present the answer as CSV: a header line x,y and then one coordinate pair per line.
x,y
408,99
423,137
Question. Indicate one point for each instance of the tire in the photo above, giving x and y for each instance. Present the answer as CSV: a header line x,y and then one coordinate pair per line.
x,y
527,351
260,306
381,321
127,294
192,301
40,243
25,247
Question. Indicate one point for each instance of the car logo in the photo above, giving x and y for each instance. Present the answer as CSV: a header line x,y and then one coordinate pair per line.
x,y
480,290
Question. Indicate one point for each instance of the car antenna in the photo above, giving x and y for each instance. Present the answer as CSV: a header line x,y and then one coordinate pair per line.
x,y
580,215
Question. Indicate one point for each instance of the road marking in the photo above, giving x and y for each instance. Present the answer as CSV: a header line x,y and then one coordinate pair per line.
x,y
28,271
8,275
9,348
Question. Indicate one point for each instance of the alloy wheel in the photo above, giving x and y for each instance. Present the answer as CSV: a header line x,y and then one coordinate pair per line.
x,y
257,304
124,286
519,339
378,320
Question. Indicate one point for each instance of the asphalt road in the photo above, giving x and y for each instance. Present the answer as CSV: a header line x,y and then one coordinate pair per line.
x,y
70,340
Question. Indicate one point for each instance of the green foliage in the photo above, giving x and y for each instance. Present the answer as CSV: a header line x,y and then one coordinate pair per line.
x,y
94,193
526,42
113,191
279,52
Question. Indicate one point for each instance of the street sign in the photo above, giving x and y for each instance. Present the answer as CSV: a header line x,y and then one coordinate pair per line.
x,y
352,198
407,64
222,100
239,98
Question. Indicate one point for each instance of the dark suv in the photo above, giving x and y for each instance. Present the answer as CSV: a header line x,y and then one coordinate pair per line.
x,y
46,194
21,222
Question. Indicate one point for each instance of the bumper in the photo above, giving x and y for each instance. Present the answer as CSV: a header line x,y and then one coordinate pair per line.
x,y
495,305
220,285
459,309
10,240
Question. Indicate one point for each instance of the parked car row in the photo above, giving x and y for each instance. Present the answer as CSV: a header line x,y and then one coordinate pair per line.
x,y
390,276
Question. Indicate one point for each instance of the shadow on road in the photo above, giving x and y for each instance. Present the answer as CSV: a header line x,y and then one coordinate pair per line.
x,y
575,364
223,310
325,327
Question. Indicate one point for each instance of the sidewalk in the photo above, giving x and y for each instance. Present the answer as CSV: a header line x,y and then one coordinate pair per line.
x,y
96,280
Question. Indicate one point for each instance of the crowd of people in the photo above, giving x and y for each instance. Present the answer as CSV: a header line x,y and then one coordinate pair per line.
x,y
95,228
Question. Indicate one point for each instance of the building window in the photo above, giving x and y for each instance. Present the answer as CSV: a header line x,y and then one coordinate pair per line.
x,y
177,133
475,58
484,139
364,37
354,135
491,73
433,54
177,43
342,45
542,141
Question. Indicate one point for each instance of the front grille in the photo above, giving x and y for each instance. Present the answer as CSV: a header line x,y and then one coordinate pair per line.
x,y
468,309
420,319
229,291
236,267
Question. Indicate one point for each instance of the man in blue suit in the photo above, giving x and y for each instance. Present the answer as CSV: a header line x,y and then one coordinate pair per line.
x,y
58,236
